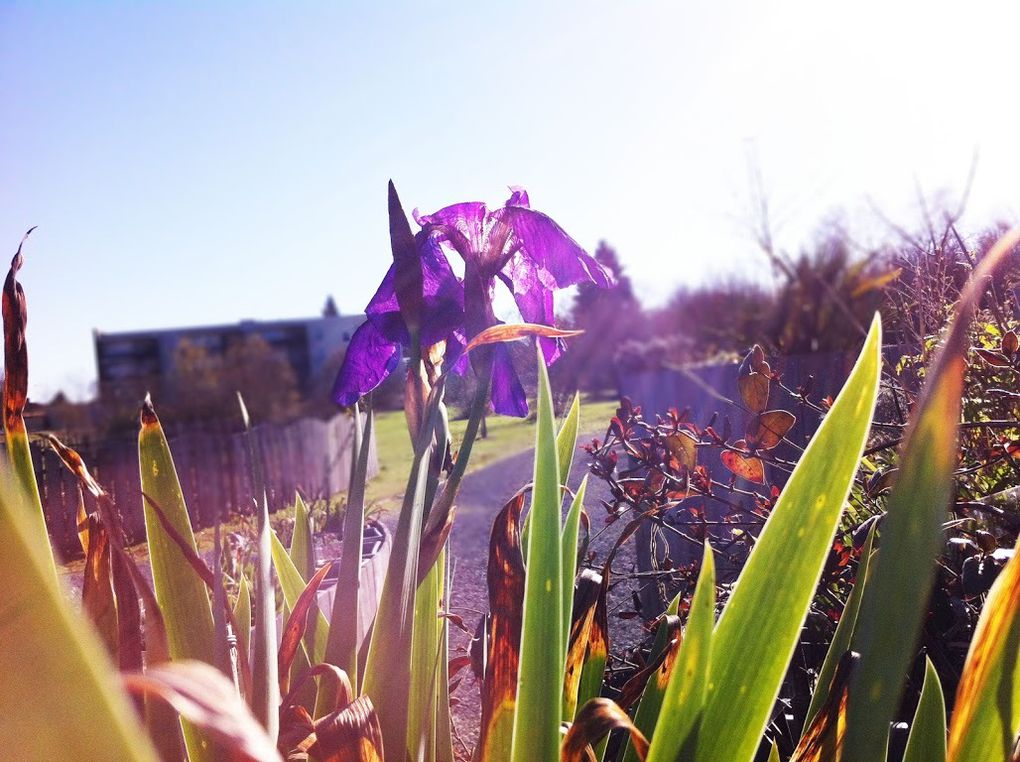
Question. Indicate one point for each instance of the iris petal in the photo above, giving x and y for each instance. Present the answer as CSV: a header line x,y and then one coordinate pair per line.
x,y
518,197
463,225
369,359
534,299
545,243
442,305
508,396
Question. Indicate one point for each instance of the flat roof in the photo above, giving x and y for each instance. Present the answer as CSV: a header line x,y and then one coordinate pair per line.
x,y
223,327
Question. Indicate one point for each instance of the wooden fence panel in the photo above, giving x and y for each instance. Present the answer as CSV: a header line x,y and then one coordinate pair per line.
x,y
309,456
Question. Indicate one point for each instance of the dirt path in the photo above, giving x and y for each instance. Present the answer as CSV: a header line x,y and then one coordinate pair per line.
x,y
482,495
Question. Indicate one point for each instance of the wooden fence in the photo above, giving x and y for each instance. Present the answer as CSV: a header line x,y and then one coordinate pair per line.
x,y
309,456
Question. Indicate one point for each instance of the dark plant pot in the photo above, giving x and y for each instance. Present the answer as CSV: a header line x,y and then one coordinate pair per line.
x,y
375,556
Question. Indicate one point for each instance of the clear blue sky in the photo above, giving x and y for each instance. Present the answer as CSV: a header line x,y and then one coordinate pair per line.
x,y
189,165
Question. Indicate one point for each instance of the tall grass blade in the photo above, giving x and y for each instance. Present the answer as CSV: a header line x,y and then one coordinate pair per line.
x,y
569,555
425,661
302,549
265,677
566,444
444,719
986,716
896,599
292,586
667,647
181,593
58,698
843,637
242,615
759,627
927,740
388,668
566,438
342,644
540,679
681,718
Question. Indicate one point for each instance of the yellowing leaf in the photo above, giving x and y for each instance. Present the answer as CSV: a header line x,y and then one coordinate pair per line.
x,y
767,430
743,466
986,716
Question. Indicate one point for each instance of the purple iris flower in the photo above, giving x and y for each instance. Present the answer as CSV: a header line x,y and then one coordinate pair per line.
x,y
377,345
524,249
531,255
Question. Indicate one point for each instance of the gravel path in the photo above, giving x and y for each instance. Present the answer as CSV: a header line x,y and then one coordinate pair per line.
x,y
482,495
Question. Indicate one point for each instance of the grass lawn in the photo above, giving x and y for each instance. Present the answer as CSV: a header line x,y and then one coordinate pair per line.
x,y
506,437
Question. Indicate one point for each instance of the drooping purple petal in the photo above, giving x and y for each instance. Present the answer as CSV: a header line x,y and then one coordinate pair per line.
x,y
537,237
443,290
508,396
463,225
455,358
534,299
369,359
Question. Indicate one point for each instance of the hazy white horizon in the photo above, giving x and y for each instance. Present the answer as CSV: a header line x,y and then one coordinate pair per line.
x,y
192,165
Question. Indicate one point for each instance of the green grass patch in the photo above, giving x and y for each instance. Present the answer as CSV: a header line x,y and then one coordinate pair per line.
x,y
505,437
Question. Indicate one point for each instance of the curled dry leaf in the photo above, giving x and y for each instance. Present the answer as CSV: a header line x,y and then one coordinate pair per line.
x,y
294,629
595,720
74,463
506,598
343,691
351,735
514,331
993,358
97,596
584,634
200,693
1010,343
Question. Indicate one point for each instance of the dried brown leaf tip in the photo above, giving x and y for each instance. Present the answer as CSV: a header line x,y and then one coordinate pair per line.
x,y
73,461
148,412
15,314
823,739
